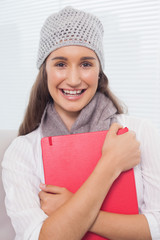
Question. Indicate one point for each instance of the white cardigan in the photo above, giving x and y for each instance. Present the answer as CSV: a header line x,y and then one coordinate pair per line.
x,y
23,172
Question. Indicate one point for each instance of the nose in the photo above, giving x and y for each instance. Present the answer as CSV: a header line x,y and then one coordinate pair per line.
x,y
73,78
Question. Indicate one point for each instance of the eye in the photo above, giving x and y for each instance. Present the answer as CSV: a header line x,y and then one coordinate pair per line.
x,y
86,64
60,64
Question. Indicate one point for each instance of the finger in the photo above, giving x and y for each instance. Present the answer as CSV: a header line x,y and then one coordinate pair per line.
x,y
42,186
41,194
132,134
51,188
41,202
114,128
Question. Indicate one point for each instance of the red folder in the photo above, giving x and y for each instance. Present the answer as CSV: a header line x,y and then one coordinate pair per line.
x,y
68,160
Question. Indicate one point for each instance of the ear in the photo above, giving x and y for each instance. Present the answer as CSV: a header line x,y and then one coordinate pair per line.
x,y
100,75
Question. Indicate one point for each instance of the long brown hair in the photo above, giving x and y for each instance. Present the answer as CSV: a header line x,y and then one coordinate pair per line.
x,y
40,96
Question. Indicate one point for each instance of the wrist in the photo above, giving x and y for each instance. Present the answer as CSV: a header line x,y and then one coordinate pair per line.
x,y
109,165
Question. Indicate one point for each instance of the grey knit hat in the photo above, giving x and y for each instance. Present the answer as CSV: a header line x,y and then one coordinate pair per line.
x,y
70,27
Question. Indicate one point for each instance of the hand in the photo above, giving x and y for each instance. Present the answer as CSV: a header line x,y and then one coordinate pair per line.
x,y
123,150
53,197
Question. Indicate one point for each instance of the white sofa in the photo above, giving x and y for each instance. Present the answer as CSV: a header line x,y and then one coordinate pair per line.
x,y
6,229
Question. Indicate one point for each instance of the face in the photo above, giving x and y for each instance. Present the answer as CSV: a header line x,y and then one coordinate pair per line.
x,y
72,75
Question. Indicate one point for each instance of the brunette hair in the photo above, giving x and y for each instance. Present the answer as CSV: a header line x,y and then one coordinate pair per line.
x,y
40,96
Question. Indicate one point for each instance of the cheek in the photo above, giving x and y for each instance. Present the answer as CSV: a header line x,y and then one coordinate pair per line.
x,y
59,75
54,78
91,78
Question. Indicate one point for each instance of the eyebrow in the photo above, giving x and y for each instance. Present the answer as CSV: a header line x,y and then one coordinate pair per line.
x,y
65,59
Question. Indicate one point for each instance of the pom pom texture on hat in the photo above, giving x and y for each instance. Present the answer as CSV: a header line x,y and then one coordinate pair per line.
x,y
70,27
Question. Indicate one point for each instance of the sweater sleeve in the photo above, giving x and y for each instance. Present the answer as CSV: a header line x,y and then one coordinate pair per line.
x,y
21,183
150,169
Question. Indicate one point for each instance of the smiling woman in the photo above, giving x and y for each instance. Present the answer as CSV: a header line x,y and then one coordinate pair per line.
x,y
71,95
73,82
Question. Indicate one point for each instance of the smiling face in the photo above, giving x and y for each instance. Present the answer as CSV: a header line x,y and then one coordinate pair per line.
x,y
72,74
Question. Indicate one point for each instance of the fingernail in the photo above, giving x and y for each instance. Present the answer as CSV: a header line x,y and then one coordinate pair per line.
x,y
42,186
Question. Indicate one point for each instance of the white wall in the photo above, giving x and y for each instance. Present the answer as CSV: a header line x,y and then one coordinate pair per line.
x,y
131,43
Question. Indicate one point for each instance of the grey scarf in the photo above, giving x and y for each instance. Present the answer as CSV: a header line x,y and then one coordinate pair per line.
x,y
98,115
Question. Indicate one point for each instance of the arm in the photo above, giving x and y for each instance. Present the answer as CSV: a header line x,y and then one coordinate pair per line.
x,y
73,219
121,227
116,226
21,179
147,223
109,225
81,210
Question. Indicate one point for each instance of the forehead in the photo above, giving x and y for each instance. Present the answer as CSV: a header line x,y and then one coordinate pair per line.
x,y
74,51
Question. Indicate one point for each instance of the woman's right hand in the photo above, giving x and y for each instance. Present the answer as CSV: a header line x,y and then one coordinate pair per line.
x,y
123,151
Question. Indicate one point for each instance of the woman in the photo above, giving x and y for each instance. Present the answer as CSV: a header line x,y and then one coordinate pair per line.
x,y
71,95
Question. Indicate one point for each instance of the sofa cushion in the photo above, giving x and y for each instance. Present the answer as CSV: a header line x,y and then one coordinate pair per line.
x,y
6,229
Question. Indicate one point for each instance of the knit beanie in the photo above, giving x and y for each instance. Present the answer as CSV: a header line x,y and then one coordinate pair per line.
x,y
70,27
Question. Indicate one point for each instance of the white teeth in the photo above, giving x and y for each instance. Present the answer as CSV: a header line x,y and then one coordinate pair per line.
x,y
72,92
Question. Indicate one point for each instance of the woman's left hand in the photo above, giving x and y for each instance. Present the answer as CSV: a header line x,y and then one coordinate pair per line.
x,y
53,197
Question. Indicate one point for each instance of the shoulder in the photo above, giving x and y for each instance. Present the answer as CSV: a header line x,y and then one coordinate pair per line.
x,y
144,128
23,149
134,123
130,121
27,141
